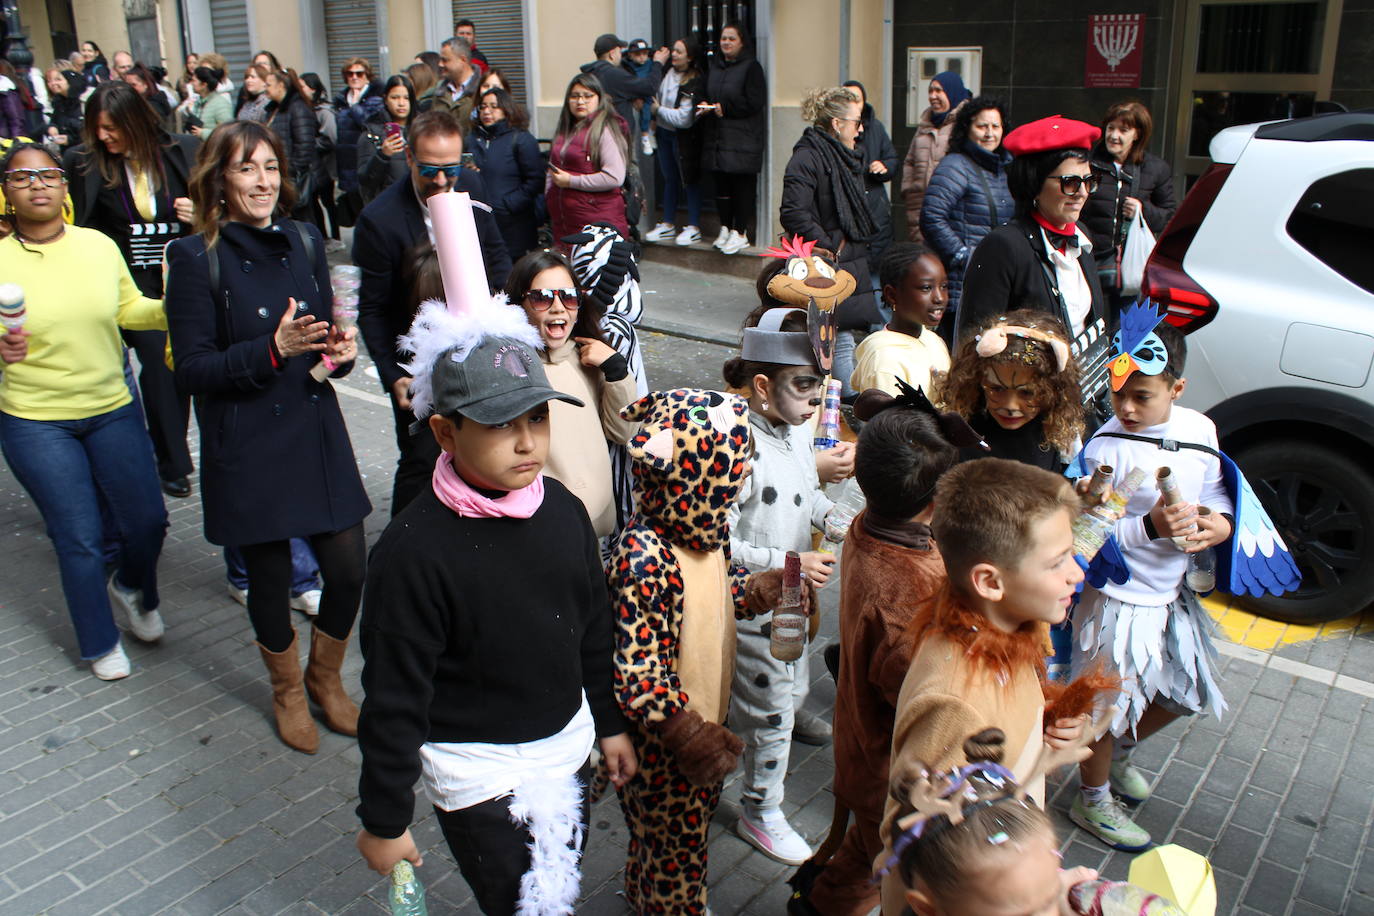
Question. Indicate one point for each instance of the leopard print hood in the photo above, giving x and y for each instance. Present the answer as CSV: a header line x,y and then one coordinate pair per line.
x,y
689,458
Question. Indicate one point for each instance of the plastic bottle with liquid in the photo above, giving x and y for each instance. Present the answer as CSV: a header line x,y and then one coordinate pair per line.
x,y
407,895
828,428
1118,898
1201,576
1094,524
787,633
849,503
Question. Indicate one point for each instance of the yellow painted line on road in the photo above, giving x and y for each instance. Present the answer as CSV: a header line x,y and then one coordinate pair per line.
x,y
1245,628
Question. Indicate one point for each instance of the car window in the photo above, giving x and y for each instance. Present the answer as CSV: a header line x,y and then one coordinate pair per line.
x,y
1334,221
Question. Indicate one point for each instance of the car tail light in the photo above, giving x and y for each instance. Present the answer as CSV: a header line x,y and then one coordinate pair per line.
x,y
1189,306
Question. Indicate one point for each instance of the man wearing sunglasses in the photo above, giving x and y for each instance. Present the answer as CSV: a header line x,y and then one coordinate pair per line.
x,y
384,240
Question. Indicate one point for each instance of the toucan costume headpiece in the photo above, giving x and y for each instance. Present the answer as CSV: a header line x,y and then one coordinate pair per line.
x,y
1136,347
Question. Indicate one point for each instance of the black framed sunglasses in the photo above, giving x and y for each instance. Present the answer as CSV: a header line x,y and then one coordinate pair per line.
x,y
541,299
1071,184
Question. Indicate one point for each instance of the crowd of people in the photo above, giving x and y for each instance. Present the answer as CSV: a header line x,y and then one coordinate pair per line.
x,y
497,654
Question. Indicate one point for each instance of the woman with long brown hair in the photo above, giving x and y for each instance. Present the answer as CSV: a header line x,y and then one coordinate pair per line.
x,y
587,161
129,179
276,461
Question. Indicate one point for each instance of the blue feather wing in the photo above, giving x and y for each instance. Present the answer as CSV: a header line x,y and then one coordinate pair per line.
x,y
1110,563
1258,561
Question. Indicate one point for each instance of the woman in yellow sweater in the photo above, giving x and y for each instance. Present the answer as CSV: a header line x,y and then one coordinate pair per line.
x,y
69,428
580,363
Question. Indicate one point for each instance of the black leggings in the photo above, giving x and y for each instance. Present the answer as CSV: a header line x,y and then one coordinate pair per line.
x,y
342,556
493,852
736,199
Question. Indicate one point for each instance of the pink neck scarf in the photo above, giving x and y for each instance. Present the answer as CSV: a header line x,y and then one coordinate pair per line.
x,y
456,493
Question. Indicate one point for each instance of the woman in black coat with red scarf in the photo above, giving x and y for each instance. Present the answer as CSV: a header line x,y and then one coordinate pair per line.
x,y
1042,259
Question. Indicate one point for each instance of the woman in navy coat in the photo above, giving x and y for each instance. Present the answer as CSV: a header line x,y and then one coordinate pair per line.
x,y
967,196
512,169
249,307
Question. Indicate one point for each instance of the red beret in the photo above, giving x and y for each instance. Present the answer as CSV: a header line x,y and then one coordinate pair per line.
x,y
1055,132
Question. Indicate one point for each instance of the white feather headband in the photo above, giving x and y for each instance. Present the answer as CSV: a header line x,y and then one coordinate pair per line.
x,y
436,330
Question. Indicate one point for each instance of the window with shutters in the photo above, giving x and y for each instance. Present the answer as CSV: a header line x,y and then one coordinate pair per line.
x,y
500,26
351,31
229,25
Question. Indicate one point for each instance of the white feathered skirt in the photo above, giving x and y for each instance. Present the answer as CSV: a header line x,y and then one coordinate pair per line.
x,y
1163,654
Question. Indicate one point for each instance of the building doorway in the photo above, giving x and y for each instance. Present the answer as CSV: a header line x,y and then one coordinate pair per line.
x,y
1249,61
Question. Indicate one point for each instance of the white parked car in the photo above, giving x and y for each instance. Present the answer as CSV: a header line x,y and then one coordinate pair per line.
x,y
1268,265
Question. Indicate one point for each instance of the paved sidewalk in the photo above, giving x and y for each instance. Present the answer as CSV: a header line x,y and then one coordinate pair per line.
x,y
169,792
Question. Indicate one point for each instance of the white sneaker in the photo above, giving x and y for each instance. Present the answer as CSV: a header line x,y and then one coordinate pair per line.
x,y
769,832
660,233
722,238
113,665
689,235
146,625
334,245
736,243
646,144
238,594
308,602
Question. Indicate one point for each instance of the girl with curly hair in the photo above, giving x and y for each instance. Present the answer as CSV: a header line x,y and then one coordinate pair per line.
x,y
1017,384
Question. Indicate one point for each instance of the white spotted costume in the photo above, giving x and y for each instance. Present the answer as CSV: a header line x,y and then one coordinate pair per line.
x,y
778,505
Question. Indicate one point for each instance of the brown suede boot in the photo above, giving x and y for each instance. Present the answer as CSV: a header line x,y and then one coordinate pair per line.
x,y
324,686
294,725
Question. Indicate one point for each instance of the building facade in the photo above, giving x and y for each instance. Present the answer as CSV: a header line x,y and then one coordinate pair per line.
x,y
1199,65
539,44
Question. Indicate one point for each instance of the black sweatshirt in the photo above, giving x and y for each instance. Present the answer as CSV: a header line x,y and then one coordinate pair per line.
x,y
477,630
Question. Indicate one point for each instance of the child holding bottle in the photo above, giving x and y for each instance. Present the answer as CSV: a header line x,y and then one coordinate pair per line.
x,y
777,508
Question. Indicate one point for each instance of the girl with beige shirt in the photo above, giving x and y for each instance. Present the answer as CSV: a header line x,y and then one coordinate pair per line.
x,y
578,362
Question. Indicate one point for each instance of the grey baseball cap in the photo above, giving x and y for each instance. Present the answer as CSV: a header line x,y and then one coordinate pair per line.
x,y
497,382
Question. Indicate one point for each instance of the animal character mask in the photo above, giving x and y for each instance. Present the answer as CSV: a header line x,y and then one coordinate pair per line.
x,y
811,280
689,460
1136,347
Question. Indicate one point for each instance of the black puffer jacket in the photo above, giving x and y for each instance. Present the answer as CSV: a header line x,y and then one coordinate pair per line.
x,y
294,122
808,209
1150,182
734,142
350,120
877,147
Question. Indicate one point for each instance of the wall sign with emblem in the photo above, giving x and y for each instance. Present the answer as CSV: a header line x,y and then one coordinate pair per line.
x,y
1114,51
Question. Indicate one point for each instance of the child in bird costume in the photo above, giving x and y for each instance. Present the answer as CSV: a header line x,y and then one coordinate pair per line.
x,y
1148,626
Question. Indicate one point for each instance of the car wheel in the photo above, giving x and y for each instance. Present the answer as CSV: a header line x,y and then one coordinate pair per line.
x,y
1323,504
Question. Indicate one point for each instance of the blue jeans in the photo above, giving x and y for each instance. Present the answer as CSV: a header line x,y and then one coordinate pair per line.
x,y
305,572
69,467
671,171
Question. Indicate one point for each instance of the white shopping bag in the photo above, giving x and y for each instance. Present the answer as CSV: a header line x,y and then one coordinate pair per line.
x,y
1140,241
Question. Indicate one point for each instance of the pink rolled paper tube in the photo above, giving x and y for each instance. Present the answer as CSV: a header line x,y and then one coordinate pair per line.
x,y
459,250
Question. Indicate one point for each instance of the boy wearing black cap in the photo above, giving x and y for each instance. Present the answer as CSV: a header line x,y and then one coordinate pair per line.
x,y
486,635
